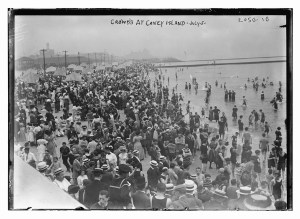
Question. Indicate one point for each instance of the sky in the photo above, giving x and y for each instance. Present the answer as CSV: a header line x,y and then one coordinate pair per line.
x,y
218,37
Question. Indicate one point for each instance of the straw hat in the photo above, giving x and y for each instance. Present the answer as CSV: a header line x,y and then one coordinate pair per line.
x,y
257,202
190,186
245,190
42,166
58,171
153,163
220,193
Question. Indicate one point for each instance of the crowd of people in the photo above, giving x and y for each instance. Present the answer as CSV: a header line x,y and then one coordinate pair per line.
x,y
114,120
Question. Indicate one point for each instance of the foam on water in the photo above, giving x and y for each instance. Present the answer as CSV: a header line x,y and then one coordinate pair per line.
x,y
235,77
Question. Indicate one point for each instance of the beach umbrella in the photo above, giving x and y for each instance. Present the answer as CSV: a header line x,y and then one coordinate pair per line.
x,y
31,70
31,78
99,68
87,71
71,66
74,77
60,72
78,69
50,69
83,65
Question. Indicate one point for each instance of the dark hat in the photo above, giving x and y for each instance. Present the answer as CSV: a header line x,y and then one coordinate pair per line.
x,y
58,171
98,171
73,189
124,168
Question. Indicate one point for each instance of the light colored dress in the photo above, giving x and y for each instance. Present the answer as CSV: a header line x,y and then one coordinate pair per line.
x,y
51,146
41,152
22,135
138,146
123,158
198,141
80,180
30,135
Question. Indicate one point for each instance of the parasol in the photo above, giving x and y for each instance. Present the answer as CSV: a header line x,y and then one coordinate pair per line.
x,y
60,72
78,69
74,77
100,68
50,69
31,78
71,66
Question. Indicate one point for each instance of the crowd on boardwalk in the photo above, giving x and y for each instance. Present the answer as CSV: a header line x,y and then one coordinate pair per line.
x,y
116,120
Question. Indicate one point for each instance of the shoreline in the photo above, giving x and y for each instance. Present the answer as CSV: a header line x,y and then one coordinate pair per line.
x,y
227,63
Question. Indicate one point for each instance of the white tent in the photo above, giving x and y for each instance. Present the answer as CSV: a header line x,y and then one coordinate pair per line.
x,y
32,189
51,69
71,66
78,69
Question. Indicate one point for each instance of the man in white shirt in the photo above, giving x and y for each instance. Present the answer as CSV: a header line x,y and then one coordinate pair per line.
x,y
111,157
92,146
60,180
28,157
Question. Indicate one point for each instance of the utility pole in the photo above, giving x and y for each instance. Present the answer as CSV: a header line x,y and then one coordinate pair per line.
x,y
96,59
57,60
104,57
89,60
44,60
78,59
65,59
111,59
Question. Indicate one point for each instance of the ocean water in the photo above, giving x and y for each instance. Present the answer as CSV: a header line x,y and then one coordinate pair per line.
x,y
235,76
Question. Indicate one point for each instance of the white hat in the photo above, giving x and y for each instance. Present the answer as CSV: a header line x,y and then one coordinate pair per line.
x,y
245,190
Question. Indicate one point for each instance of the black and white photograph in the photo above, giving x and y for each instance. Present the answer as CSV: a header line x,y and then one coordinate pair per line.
x,y
140,109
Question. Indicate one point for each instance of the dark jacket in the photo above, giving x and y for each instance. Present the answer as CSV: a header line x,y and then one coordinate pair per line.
x,y
141,200
92,192
153,176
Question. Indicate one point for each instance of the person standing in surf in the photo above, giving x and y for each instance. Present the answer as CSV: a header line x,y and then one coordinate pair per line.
x,y
244,101
234,112
262,95
241,126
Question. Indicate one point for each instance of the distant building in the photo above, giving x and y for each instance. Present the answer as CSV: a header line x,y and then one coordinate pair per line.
x,y
24,63
48,52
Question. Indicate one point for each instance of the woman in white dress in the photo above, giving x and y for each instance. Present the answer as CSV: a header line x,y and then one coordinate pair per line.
x,y
138,145
81,177
198,141
123,156
30,134
41,149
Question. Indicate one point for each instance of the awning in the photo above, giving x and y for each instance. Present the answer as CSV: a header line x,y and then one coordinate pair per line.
x,y
33,190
